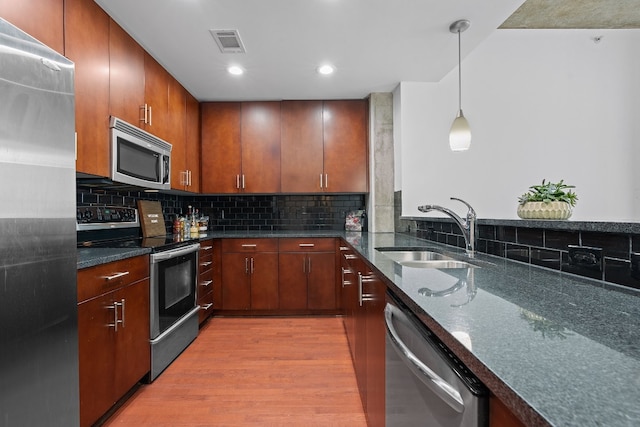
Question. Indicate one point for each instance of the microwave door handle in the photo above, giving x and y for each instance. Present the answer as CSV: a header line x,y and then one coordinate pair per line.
x,y
165,164
439,386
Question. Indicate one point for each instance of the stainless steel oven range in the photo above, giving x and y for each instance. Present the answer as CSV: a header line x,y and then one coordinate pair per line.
x,y
174,313
173,277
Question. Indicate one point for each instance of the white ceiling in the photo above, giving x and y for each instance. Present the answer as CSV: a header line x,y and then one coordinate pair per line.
x,y
374,44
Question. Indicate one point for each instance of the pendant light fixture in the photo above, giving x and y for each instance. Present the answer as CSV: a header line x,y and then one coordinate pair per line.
x,y
460,133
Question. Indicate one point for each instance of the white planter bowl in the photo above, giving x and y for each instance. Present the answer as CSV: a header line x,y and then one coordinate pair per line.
x,y
542,210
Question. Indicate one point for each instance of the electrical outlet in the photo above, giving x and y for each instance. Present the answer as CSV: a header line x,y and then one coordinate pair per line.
x,y
585,257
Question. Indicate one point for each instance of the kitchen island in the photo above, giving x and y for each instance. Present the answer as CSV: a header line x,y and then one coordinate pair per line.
x,y
557,349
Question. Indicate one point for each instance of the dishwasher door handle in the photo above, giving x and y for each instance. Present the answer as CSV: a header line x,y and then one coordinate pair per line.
x,y
440,387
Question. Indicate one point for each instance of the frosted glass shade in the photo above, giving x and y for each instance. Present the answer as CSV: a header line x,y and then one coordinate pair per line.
x,y
460,134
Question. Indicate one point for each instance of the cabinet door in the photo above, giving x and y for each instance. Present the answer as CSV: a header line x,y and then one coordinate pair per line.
x,y
96,335
126,78
192,143
260,136
236,287
345,145
293,281
301,147
42,19
156,95
132,350
87,45
374,303
264,281
221,163
176,133
321,273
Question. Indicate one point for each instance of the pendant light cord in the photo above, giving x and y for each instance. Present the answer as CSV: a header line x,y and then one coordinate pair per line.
x,y
459,74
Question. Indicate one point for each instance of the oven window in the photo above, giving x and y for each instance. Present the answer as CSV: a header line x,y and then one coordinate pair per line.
x,y
137,161
179,280
176,287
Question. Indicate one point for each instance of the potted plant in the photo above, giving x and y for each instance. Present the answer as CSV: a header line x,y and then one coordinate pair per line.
x,y
547,201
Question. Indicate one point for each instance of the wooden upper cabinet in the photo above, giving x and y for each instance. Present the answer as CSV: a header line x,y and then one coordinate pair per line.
x,y
192,143
176,132
87,45
126,80
221,153
345,146
301,147
156,95
41,19
260,137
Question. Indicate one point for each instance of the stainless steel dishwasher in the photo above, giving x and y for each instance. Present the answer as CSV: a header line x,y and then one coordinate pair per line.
x,y
426,385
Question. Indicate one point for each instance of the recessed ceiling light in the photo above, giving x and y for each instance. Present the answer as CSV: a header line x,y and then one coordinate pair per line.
x,y
326,69
235,70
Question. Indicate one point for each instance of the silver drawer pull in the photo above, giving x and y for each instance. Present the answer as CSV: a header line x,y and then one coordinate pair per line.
x,y
206,283
207,306
344,248
115,276
206,263
206,248
350,256
306,245
249,245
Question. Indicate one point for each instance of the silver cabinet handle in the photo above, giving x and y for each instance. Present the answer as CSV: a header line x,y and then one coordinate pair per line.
x,y
238,182
206,283
350,256
362,297
326,180
115,276
252,266
345,282
114,307
150,116
440,387
306,245
249,245
207,306
206,263
123,310
243,181
320,180
344,248
206,248
246,265
144,114
189,183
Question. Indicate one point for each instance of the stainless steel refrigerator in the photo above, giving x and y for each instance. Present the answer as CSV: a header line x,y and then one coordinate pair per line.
x,y
38,312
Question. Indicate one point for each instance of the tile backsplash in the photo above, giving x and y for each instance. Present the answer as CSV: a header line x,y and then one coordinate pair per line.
x,y
240,212
612,257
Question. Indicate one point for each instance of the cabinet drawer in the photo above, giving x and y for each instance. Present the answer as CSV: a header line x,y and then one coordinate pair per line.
x,y
307,245
94,281
205,282
206,248
250,245
205,263
206,306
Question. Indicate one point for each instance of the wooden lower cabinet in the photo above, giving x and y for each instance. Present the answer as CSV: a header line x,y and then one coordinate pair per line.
x,y
250,274
206,282
500,415
363,297
113,333
307,274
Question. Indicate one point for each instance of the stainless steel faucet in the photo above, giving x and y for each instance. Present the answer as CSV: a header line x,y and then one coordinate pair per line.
x,y
468,225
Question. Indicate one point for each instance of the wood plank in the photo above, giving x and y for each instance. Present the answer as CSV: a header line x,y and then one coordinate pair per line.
x,y
254,372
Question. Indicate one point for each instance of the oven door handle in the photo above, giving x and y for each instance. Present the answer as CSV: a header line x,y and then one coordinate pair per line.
x,y
165,255
440,387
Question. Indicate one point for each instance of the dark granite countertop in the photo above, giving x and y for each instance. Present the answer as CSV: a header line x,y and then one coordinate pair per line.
x,y
557,349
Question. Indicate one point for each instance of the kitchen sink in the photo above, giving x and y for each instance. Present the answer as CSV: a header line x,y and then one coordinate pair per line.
x,y
424,259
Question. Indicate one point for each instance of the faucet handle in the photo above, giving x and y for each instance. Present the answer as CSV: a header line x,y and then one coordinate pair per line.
x,y
471,212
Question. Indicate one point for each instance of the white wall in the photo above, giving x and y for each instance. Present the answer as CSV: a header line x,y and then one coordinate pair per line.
x,y
547,104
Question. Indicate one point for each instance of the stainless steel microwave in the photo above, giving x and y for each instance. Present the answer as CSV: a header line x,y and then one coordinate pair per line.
x,y
138,157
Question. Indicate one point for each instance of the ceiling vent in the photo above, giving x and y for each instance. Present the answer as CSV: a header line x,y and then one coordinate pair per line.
x,y
228,41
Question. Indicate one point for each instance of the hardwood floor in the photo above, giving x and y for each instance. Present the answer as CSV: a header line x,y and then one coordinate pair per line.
x,y
254,372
